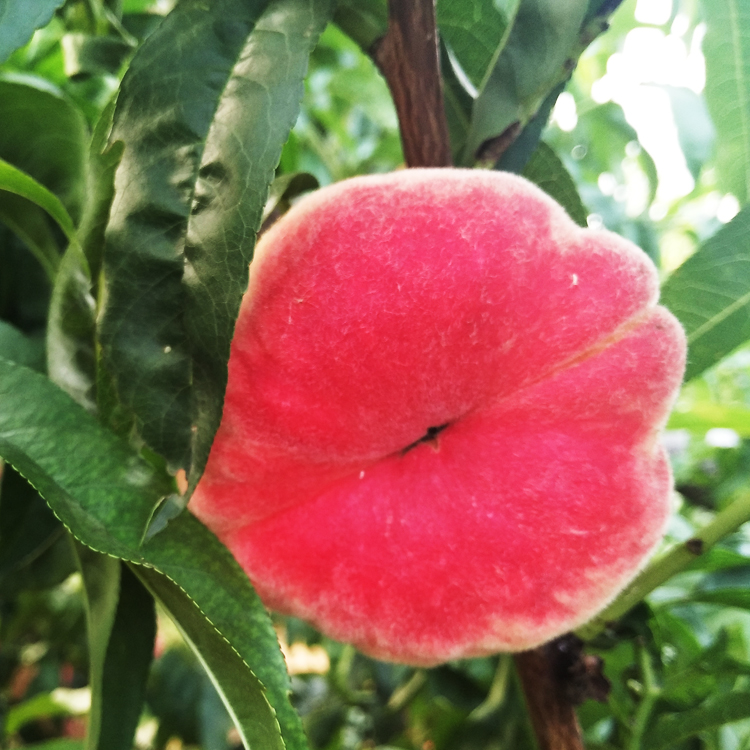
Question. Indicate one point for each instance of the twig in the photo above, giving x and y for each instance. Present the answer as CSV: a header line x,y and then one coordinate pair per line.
x,y
408,59
544,679
670,563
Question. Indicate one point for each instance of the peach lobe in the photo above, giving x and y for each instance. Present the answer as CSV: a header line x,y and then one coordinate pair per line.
x,y
441,429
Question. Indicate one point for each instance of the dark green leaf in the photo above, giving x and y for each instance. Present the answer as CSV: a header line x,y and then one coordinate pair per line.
x,y
15,181
87,55
476,31
365,21
241,690
27,526
121,626
517,155
729,597
71,357
17,347
29,223
543,42
727,74
671,729
204,111
19,20
281,192
105,493
710,295
458,103
45,136
547,171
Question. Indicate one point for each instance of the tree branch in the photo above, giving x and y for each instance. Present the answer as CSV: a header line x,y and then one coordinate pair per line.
x,y
408,59
545,675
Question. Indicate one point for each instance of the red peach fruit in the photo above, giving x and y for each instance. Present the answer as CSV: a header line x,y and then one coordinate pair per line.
x,y
440,434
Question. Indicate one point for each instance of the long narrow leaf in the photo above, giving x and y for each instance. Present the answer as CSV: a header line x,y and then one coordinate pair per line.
x,y
105,494
121,631
710,295
203,112
727,51
19,19
672,729
240,689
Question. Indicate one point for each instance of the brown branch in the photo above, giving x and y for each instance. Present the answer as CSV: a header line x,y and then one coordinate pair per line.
x,y
408,59
551,678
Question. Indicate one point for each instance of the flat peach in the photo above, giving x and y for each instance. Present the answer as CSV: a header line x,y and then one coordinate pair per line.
x,y
440,432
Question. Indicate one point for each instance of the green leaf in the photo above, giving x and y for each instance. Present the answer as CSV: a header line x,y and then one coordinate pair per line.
x,y
476,31
15,181
710,295
669,730
698,411
121,622
17,347
27,526
71,327
89,55
543,41
365,21
28,222
204,111
19,20
61,744
727,56
240,689
45,136
105,494
547,171
458,103
728,597
694,127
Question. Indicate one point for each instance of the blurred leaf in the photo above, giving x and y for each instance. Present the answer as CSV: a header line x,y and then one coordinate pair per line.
x,y
20,348
242,692
710,295
19,20
121,623
475,32
190,191
27,526
70,332
106,493
61,744
365,21
87,55
458,103
727,75
517,155
547,171
283,189
71,356
15,181
731,597
697,410
28,222
40,706
45,136
718,558
537,56
722,709
694,127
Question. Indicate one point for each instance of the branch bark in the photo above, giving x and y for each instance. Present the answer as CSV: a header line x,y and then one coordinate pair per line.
x,y
544,674
408,59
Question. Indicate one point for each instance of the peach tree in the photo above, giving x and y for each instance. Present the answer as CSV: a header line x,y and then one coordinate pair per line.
x,y
408,480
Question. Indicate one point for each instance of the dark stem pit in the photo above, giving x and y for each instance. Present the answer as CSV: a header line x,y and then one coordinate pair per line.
x,y
429,437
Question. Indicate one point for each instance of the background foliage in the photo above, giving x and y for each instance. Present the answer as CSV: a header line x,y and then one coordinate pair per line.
x,y
98,402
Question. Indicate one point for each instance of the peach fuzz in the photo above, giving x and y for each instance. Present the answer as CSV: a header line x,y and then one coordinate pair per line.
x,y
440,433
